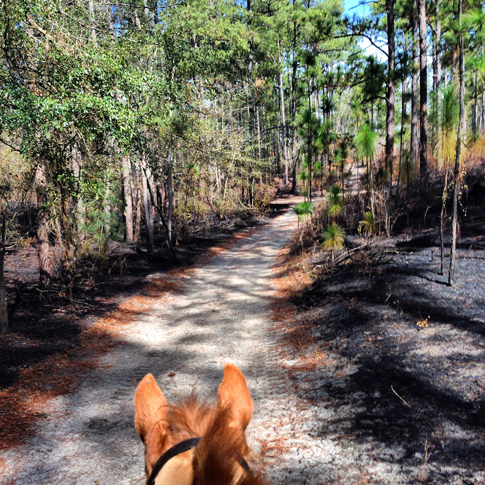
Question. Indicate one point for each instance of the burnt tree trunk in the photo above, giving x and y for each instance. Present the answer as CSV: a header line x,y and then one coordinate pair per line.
x,y
3,291
437,86
391,90
414,145
423,92
461,131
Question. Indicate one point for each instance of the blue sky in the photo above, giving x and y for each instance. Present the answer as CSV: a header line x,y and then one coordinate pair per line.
x,y
352,7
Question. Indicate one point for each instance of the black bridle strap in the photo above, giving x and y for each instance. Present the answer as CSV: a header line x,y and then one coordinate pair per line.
x,y
185,445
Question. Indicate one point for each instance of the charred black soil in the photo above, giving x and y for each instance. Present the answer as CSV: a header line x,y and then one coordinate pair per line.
x,y
404,349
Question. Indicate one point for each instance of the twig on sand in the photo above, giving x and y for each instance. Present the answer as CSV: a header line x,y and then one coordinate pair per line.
x,y
400,398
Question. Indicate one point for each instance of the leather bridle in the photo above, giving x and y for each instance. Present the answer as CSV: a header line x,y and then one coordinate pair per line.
x,y
185,445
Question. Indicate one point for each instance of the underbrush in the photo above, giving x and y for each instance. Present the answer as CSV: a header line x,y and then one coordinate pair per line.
x,y
360,218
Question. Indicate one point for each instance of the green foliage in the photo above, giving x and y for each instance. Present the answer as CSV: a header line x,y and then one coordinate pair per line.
x,y
303,210
335,201
333,238
367,225
450,110
366,142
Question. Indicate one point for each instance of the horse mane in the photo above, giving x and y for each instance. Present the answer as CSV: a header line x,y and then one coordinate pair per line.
x,y
221,446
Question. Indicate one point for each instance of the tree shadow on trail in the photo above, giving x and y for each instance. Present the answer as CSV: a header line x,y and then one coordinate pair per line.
x,y
410,358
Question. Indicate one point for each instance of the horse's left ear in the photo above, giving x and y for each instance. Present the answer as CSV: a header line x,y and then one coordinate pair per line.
x,y
151,406
233,393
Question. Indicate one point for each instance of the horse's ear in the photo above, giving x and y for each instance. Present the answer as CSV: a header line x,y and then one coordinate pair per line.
x,y
150,406
233,393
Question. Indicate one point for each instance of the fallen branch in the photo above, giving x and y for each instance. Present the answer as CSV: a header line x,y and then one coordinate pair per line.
x,y
400,398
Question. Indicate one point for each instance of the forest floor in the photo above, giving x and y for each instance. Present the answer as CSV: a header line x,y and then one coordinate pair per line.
x,y
373,373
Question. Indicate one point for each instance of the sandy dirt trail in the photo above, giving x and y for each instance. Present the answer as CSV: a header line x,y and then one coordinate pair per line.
x,y
221,315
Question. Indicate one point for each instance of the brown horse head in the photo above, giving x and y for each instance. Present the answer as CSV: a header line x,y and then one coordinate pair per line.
x,y
219,457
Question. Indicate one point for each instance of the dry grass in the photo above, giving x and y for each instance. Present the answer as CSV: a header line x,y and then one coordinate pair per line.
x,y
291,277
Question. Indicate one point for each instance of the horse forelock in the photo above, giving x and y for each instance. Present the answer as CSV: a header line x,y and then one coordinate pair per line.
x,y
215,461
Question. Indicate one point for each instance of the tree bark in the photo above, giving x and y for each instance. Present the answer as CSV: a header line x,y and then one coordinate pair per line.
x,y
293,112
283,117
482,114
43,232
109,21
80,207
169,191
310,141
92,21
137,201
128,199
461,132
391,89
475,107
423,92
403,117
437,87
3,291
147,202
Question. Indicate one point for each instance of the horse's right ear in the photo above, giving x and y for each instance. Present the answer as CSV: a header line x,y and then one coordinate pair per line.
x,y
150,406
233,393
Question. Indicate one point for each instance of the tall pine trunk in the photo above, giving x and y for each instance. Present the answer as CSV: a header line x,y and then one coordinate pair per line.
x,y
391,90
283,118
423,92
403,117
310,141
461,132
437,87
293,112
414,144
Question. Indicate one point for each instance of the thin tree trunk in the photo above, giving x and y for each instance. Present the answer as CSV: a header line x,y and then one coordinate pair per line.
x,y
444,198
160,215
109,21
137,202
3,291
475,107
293,110
439,141
43,232
482,114
169,190
283,116
258,127
127,182
423,92
80,208
403,117
103,246
391,90
310,142
147,203
454,225
371,185
414,144
92,21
